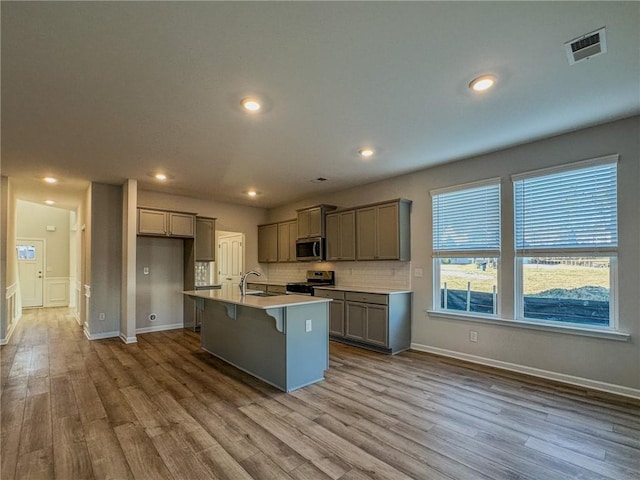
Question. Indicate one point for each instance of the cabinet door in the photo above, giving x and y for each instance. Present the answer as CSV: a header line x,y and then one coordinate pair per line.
x,y
303,224
287,235
293,236
377,325
336,318
205,239
387,232
333,237
366,225
181,225
348,235
356,324
268,243
315,222
152,222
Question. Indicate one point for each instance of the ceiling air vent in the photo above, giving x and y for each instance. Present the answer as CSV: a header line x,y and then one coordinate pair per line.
x,y
586,46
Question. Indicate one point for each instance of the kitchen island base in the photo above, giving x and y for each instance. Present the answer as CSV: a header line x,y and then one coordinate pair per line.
x,y
286,347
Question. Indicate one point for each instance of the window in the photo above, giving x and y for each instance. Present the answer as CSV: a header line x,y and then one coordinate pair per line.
x,y
466,247
566,238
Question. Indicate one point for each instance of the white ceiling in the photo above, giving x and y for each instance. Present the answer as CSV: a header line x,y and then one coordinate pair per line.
x,y
105,91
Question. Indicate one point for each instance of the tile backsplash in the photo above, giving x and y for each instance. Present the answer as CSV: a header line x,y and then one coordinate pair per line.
x,y
378,274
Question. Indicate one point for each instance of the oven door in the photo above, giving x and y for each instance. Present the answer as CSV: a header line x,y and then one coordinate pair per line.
x,y
310,249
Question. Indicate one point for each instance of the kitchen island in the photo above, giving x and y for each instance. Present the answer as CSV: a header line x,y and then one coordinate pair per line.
x,y
281,339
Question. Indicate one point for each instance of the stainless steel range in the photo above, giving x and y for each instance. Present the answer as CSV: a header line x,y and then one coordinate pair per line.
x,y
315,278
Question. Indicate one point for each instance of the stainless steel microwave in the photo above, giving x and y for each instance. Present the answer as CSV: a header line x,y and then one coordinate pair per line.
x,y
310,249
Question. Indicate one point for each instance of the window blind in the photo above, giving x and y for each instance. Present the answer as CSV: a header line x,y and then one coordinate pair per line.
x,y
571,210
467,221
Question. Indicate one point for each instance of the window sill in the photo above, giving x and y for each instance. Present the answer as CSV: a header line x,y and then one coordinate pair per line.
x,y
545,327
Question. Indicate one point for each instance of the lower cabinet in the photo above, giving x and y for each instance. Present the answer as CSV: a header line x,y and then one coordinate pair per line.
x,y
379,322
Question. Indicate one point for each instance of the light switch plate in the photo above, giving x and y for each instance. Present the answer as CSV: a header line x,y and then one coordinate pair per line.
x,y
417,272
145,270
307,326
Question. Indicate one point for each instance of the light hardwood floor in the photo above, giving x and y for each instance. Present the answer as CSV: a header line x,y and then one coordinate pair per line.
x,y
163,409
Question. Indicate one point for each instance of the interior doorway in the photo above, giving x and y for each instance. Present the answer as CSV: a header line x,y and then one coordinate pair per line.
x,y
230,261
30,270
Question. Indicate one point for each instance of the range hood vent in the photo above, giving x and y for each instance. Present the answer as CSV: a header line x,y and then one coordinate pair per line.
x,y
586,46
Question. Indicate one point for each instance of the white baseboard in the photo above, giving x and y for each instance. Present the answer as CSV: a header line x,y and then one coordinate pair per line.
x,y
100,336
126,339
76,315
535,372
160,328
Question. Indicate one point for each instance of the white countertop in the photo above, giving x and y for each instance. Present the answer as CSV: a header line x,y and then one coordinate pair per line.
x,y
382,291
232,295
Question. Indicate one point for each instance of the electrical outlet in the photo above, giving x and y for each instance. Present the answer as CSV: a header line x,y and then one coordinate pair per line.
x,y
417,272
307,326
473,336
101,316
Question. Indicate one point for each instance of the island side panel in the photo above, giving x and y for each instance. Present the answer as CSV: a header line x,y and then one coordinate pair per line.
x,y
250,342
307,352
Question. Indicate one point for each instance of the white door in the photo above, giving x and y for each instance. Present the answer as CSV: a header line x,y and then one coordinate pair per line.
x,y
230,259
30,270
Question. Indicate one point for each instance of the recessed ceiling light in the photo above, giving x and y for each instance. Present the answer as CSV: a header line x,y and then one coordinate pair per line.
x,y
251,104
482,83
366,152
49,202
252,193
50,179
160,176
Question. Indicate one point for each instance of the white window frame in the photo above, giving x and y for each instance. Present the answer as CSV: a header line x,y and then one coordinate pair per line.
x,y
492,253
611,252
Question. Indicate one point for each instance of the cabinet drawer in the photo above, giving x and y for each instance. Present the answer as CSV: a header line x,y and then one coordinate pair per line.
x,y
257,286
328,294
376,298
276,289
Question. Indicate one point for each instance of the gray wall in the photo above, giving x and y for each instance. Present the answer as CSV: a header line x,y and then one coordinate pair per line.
x,y
159,292
32,221
105,240
598,360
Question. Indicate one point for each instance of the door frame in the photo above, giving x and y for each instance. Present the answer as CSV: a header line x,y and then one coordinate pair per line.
x,y
20,240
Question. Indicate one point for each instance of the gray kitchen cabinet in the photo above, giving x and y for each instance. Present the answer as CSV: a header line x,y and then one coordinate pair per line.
x,y
205,239
268,243
154,222
341,235
257,286
311,221
380,322
336,311
287,235
383,231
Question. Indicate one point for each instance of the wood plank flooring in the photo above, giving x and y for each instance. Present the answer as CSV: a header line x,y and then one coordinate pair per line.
x,y
163,409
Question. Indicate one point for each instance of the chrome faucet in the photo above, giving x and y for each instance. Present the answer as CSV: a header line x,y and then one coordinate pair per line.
x,y
243,281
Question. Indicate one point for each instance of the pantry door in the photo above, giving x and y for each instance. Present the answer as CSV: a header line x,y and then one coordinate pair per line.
x,y
230,259
30,270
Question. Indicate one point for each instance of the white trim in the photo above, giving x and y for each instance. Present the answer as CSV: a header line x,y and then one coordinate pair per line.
x,y
570,329
12,327
535,372
100,336
608,159
465,186
128,340
48,283
159,328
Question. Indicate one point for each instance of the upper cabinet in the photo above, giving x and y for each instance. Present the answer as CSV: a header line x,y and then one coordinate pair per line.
x,y
205,239
268,243
287,234
383,231
341,235
277,242
311,221
165,223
